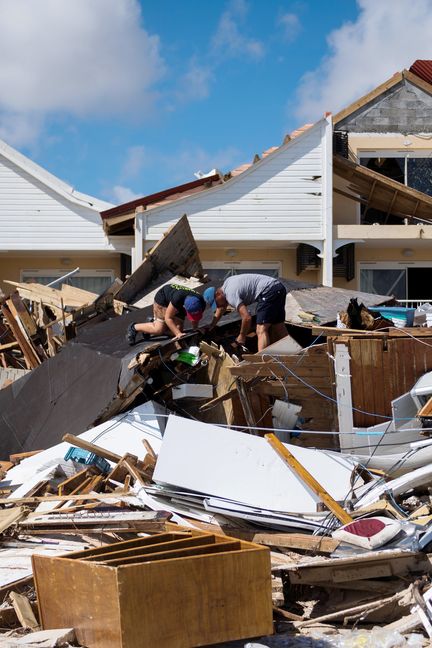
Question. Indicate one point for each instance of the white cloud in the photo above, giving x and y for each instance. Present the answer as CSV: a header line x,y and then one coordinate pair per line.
x,y
179,166
120,195
291,26
135,160
229,41
195,83
385,38
20,129
79,57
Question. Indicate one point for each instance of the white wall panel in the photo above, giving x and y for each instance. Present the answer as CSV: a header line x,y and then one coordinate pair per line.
x,y
279,198
34,217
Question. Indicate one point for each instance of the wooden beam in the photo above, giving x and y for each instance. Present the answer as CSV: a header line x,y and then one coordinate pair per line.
x,y
9,345
345,194
31,358
390,207
91,447
64,498
370,96
245,403
310,481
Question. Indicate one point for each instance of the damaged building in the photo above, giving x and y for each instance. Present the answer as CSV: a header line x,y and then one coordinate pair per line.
x,y
191,491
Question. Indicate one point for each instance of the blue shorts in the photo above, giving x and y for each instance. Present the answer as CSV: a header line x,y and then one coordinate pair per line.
x,y
271,305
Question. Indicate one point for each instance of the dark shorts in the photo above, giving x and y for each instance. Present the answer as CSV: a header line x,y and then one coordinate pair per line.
x,y
271,305
161,298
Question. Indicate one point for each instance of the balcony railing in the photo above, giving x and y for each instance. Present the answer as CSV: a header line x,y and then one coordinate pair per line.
x,y
414,303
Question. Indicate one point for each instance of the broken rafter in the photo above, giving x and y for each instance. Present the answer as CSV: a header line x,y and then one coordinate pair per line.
x,y
31,357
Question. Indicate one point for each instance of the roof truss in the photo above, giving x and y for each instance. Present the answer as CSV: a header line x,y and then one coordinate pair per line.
x,y
376,191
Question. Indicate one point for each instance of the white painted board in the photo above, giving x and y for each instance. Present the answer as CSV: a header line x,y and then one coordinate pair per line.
x,y
124,433
244,468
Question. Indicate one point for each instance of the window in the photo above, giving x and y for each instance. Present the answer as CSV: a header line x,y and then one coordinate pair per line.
x,y
411,168
220,270
95,281
404,281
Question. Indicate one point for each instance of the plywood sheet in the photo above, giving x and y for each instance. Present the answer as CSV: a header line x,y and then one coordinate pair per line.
x,y
244,468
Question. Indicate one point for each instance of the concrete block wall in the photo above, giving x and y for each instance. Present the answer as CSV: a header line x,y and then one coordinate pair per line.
x,y
405,108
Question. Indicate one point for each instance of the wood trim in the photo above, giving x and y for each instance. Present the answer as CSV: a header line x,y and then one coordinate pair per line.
x,y
370,96
418,81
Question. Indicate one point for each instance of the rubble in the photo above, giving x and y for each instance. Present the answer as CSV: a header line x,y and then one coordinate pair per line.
x,y
189,491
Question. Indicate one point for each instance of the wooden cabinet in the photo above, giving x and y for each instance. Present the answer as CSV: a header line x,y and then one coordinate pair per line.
x,y
171,590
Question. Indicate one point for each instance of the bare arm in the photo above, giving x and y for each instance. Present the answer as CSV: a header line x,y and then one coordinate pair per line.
x,y
245,326
217,315
170,313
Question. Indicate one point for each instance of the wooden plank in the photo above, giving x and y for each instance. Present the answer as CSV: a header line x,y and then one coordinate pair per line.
x,y
9,345
370,387
24,611
19,456
91,447
245,403
308,479
400,562
19,310
379,379
300,541
140,550
65,498
11,516
354,611
357,382
71,484
31,358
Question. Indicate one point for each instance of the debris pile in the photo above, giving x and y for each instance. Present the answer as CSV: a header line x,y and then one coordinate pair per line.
x,y
191,491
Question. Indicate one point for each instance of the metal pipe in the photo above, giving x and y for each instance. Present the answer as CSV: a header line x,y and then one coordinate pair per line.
x,y
61,279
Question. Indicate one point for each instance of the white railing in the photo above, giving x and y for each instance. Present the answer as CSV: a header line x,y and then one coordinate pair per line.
x,y
414,303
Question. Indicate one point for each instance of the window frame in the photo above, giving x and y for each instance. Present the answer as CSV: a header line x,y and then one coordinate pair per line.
x,y
390,265
249,265
395,153
56,273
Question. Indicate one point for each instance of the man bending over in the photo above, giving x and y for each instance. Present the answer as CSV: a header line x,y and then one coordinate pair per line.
x,y
172,303
242,290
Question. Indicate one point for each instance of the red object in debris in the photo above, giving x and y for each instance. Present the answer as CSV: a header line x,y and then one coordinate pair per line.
x,y
365,528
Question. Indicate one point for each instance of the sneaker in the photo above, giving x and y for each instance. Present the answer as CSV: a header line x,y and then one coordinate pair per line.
x,y
131,334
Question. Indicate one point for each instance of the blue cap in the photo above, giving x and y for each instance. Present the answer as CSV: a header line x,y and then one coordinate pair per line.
x,y
209,296
193,304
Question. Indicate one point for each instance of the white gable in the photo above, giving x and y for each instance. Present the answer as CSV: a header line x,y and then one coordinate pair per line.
x,y
40,212
278,198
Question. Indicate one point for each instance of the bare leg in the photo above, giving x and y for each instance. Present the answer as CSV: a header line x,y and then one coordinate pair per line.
x,y
278,331
158,327
263,336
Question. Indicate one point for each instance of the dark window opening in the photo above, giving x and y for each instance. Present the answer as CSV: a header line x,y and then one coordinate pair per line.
x,y
393,168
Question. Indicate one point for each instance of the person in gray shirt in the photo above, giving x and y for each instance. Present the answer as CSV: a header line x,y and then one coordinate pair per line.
x,y
242,290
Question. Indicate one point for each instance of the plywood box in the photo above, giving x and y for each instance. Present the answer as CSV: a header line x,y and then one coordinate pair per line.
x,y
171,590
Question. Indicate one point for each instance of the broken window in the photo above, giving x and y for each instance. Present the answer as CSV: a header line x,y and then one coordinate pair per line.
x,y
411,168
381,281
95,281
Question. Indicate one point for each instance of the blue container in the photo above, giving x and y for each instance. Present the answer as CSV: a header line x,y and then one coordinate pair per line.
x,y
397,312
88,459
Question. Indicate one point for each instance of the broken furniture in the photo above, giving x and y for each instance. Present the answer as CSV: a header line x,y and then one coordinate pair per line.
x,y
172,590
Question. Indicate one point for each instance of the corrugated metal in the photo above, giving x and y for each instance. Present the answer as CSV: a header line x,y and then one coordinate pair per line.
x,y
423,69
34,217
279,198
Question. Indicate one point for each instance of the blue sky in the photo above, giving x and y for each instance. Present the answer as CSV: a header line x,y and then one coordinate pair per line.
x,y
122,98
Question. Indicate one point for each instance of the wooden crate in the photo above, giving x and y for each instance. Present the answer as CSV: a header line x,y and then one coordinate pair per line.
x,y
171,590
